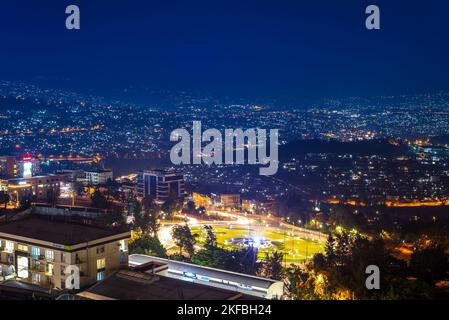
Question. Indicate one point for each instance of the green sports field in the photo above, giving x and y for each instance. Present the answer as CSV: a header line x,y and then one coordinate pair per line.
x,y
296,248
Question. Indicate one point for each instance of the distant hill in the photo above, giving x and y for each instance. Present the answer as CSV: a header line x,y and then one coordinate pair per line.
x,y
12,103
371,147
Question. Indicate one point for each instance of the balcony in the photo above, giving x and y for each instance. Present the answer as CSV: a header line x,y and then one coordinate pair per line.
x,y
7,250
79,261
38,268
49,273
7,258
38,258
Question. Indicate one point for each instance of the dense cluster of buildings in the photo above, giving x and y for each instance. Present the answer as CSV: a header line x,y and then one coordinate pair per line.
x,y
21,177
87,123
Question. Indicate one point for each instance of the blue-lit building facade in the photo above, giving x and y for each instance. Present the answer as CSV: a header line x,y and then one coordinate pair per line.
x,y
160,185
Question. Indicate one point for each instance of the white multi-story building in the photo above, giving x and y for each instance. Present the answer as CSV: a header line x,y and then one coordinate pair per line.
x,y
39,251
98,177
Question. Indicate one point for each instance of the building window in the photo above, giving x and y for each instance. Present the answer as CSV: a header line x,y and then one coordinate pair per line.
x,y
123,246
36,278
100,276
122,258
50,255
49,269
35,252
100,250
22,247
9,246
101,264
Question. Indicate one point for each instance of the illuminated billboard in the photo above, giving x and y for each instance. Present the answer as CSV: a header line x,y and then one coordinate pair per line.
x,y
27,169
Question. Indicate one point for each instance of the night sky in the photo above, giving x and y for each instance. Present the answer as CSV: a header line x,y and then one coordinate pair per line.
x,y
261,49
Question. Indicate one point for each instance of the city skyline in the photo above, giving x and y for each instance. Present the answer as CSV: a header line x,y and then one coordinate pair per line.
x,y
232,151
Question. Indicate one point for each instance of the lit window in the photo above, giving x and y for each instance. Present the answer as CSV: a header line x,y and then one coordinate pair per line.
x,y
9,246
22,247
100,276
49,269
36,278
123,246
101,264
50,255
35,252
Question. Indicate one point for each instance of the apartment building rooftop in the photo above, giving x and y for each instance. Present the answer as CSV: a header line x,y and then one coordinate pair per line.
x,y
130,285
61,232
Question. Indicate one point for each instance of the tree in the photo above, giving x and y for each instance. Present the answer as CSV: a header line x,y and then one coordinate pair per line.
x,y
78,188
184,239
190,207
134,207
25,202
272,266
171,207
146,219
329,249
116,218
211,257
320,262
211,238
342,216
148,203
112,189
243,260
99,201
148,245
201,211
342,247
298,286
408,289
430,264
4,198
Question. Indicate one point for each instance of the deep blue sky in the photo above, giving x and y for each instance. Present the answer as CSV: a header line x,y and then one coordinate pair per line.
x,y
252,48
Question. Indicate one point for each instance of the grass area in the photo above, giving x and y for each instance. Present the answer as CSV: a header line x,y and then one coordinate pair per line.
x,y
296,248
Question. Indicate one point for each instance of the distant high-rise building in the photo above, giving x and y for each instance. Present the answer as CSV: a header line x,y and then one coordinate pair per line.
x,y
8,167
19,167
28,166
160,185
